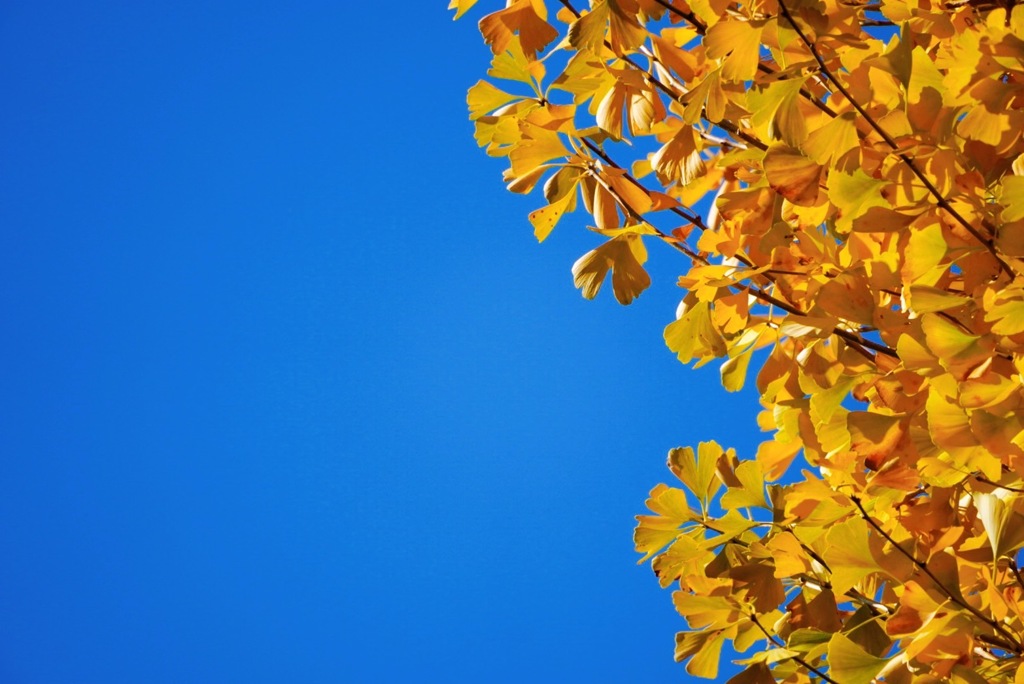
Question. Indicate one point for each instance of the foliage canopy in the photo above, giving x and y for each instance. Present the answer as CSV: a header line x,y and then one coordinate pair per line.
x,y
846,178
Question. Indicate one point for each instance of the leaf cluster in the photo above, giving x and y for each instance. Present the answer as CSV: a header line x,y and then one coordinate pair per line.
x,y
845,180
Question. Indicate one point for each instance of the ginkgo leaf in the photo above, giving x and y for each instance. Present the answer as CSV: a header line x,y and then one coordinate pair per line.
x,y
792,175
683,556
696,469
623,256
1006,311
514,65
679,159
702,649
850,554
853,194
1003,525
924,299
694,335
624,31
707,99
654,532
734,371
872,435
758,673
849,663
764,101
834,141
789,556
561,183
519,18
538,146
950,344
460,6
738,43
1011,196
590,29
750,493
627,192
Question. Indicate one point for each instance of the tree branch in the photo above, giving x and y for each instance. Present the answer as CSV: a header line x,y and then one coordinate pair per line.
x,y
858,342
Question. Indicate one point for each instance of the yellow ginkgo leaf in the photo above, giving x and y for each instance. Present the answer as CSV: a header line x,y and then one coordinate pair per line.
x,y
623,256
850,664
520,18
853,194
546,218
460,6
853,553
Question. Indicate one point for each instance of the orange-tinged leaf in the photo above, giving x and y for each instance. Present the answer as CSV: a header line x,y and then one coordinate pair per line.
x,y
848,296
792,175
624,32
626,191
872,435
707,99
520,18
590,29
679,159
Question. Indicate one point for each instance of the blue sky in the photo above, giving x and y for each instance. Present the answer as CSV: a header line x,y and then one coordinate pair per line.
x,y
289,390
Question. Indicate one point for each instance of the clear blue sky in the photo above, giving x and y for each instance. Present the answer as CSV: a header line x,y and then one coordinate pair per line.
x,y
289,392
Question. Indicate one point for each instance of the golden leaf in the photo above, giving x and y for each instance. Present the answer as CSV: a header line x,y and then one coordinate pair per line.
x,y
623,256
522,18
792,175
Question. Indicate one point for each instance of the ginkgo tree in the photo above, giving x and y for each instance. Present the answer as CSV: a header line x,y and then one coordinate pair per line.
x,y
845,182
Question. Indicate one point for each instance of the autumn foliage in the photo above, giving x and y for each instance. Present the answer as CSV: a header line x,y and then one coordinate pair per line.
x,y
846,179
